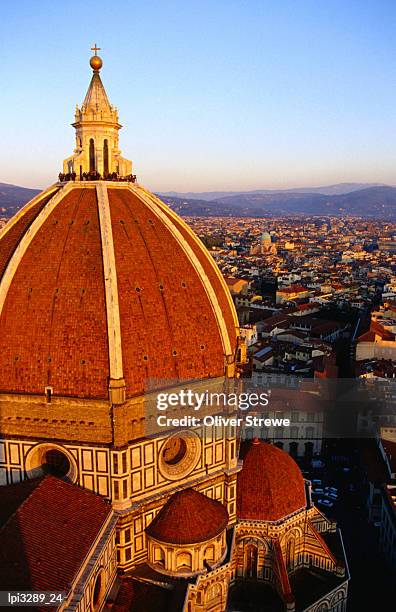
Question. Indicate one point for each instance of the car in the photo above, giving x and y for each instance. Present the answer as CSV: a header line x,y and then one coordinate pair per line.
x,y
316,481
317,491
331,490
325,502
346,469
332,496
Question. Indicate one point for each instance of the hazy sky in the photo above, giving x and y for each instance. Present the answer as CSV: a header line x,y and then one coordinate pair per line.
x,y
213,94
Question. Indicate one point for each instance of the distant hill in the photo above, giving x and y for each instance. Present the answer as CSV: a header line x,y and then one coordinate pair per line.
x,y
338,189
378,201
13,197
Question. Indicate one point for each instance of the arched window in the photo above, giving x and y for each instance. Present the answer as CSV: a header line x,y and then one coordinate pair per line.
x,y
159,556
98,591
309,449
209,554
214,593
290,553
105,157
251,557
184,560
91,155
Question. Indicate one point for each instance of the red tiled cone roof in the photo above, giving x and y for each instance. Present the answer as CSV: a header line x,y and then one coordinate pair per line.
x,y
44,542
188,517
270,485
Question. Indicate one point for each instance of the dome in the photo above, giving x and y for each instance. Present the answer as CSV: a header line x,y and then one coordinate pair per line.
x,y
188,517
266,237
102,282
270,484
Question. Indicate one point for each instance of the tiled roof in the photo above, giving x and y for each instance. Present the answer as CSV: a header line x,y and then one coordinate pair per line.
x,y
376,329
293,289
270,485
49,533
53,324
188,517
140,596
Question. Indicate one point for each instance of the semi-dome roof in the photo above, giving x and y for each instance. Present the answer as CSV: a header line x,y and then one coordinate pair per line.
x,y
102,282
270,485
188,517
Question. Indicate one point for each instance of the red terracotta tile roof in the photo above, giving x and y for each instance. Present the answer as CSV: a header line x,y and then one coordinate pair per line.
x,y
53,328
211,271
53,325
46,538
188,517
376,329
293,289
171,312
270,485
309,306
367,337
12,496
13,234
139,596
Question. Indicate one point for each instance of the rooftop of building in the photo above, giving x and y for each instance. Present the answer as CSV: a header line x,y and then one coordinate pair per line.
x,y
188,517
48,527
261,491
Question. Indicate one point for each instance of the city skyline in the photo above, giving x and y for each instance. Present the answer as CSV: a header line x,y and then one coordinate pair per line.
x,y
232,97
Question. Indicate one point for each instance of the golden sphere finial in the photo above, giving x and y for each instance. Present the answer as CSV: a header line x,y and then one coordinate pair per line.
x,y
95,61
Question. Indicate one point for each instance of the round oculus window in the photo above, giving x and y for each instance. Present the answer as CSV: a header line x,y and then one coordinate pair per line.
x,y
179,454
174,450
56,463
50,459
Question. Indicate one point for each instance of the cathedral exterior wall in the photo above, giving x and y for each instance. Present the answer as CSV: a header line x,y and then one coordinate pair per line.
x,y
63,419
96,577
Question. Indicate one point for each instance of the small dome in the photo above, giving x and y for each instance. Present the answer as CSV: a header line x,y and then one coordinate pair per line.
x,y
188,517
270,484
266,237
